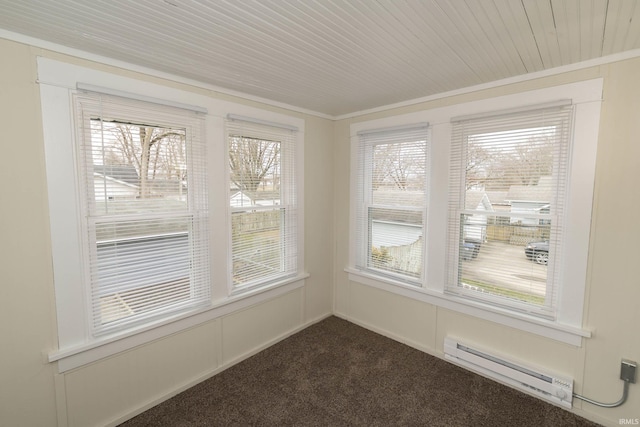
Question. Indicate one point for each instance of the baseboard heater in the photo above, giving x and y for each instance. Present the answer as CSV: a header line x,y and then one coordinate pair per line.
x,y
558,391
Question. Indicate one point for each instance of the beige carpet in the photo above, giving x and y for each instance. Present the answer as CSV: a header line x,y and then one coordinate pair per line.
x,y
335,373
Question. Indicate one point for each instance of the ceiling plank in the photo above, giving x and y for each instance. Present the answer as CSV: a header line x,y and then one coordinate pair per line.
x,y
541,20
515,20
618,25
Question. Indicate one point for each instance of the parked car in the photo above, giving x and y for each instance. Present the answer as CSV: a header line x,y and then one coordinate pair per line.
x,y
538,251
470,249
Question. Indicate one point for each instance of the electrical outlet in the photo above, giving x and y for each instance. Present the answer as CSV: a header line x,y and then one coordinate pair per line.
x,y
628,371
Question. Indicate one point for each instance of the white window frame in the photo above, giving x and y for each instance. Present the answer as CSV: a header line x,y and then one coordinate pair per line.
x,y
290,241
563,109
76,347
89,107
364,152
586,97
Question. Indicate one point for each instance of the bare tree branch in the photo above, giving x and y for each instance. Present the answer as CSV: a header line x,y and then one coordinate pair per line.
x,y
251,161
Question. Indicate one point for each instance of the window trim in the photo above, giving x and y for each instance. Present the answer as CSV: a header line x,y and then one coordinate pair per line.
x,y
73,357
568,326
57,80
535,325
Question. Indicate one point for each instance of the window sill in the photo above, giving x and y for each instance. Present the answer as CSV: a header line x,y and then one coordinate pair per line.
x,y
546,328
84,354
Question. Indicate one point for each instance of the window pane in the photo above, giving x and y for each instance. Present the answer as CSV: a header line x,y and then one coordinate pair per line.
x,y
391,207
138,168
515,167
396,240
507,209
135,262
493,260
395,235
255,171
135,276
256,245
142,264
397,168
262,201
144,170
520,157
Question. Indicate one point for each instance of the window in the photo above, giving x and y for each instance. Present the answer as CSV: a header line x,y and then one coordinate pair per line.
x,y
142,179
263,202
504,210
507,193
391,199
139,190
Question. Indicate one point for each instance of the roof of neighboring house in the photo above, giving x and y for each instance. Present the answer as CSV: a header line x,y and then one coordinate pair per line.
x,y
398,198
529,193
390,233
167,186
498,197
473,199
128,175
540,193
124,173
99,178
256,195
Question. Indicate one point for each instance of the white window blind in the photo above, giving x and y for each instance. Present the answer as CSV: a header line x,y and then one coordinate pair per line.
x,y
144,202
508,186
263,202
391,202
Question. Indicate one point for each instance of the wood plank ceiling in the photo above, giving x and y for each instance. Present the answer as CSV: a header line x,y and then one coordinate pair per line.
x,y
335,57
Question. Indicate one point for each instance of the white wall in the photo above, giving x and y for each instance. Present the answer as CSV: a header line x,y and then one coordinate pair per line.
x,y
27,325
112,389
612,285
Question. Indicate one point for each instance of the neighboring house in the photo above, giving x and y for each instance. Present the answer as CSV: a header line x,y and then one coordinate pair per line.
x,y
530,199
475,226
388,233
267,198
241,199
385,197
499,201
387,230
117,181
121,182
403,243
398,231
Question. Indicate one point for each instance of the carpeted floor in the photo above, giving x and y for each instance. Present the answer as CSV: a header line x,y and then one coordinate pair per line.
x,y
335,373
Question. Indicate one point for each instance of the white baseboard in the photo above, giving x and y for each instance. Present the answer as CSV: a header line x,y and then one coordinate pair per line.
x,y
391,335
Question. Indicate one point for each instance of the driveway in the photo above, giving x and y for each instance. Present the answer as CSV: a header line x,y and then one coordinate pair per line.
x,y
505,265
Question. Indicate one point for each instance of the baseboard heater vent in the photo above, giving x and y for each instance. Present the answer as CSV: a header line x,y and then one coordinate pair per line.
x,y
558,391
